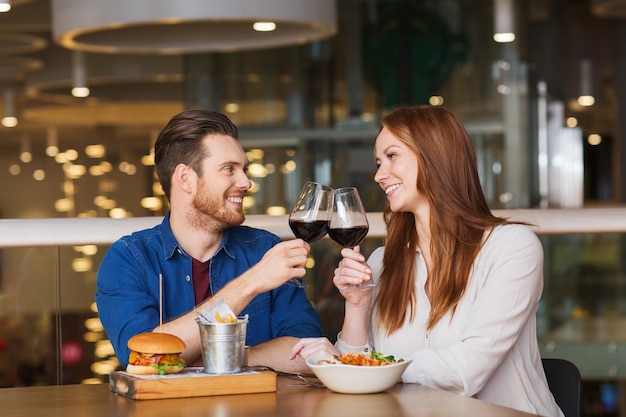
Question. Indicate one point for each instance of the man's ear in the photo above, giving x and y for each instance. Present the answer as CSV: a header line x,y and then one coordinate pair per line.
x,y
184,178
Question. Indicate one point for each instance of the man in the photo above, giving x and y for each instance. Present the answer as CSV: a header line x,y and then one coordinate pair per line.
x,y
200,253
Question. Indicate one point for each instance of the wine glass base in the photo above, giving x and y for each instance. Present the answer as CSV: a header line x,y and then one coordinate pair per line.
x,y
296,283
363,287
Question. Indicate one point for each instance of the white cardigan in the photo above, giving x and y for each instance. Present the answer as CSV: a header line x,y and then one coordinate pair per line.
x,y
488,349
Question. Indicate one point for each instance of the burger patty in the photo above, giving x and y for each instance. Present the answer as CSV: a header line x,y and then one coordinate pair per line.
x,y
146,359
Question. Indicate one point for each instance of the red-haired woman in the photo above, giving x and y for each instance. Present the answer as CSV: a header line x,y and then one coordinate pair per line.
x,y
456,288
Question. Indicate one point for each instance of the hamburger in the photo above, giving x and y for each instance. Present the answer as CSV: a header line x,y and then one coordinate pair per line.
x,y
155,354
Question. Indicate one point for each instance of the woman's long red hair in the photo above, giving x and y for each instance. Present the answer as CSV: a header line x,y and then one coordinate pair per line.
x,y
459,216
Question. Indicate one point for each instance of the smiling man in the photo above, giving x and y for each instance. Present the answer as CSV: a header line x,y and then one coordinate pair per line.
x,y
202,253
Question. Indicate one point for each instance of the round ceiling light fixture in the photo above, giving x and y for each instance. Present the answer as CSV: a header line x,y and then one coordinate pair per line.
x,y
188,26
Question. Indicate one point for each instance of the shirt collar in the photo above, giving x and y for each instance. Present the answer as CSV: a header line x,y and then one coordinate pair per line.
x,y
170,244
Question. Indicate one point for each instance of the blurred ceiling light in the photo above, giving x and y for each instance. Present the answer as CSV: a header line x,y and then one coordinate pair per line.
x,y
95,151
231,107
152,203
26,155
61,158
68,187
157,189
96,171
503,18
255,153
276,211
9,118
63,205
39,175
74,171
248,201
52,141
118,213
594,139
15,169
435,100
104,348
109,204
93,324
79,75
585,98
571,122
100,200
254,188
9,121
106,166
257,170
127,168
5,6
72,154
290,166
264,26
147,160
90,250
104,367
81,264
270,168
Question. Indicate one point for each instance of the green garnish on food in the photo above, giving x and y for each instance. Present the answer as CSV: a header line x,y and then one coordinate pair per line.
x,y
381,357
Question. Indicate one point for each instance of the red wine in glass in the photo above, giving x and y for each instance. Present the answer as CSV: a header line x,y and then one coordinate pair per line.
x,y
348,237
309,231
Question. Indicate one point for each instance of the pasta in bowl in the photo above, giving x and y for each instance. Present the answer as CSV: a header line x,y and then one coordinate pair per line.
x,y
358,373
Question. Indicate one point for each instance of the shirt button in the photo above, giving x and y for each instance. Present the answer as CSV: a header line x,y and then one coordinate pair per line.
x,y
188,278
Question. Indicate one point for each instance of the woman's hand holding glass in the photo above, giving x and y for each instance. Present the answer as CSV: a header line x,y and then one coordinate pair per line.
x,y
353,272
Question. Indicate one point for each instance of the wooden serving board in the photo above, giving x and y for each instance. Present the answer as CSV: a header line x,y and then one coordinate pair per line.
x,y
191,382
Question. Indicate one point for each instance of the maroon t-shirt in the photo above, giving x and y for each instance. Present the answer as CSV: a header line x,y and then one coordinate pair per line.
x,y
201,281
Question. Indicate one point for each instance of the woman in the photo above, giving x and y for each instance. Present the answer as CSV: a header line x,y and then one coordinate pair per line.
x,y
457,288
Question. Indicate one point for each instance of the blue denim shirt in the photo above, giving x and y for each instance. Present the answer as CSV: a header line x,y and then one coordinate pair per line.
x,y
128,286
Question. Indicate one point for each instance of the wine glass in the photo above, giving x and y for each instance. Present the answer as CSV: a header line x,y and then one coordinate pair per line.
x,y
310,217
348,224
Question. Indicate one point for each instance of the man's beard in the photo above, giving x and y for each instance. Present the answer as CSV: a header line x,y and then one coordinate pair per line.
x,y
210,212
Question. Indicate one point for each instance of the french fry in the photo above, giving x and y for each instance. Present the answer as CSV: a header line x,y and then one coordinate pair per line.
x,y
228,319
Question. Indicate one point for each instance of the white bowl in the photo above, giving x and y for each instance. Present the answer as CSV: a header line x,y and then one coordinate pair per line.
x,y
353,379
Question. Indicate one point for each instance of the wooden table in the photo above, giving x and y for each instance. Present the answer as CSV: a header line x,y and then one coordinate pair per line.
x,y
291,399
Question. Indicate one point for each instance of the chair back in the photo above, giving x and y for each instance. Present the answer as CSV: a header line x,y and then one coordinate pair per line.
x,y
565,384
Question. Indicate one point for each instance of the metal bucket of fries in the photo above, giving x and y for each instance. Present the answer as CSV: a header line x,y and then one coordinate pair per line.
x,y
223,345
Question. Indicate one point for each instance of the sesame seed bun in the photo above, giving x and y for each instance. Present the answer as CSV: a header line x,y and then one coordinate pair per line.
x,y
157,343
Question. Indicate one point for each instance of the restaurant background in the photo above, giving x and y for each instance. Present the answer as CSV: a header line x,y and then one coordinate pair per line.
x,y
310,111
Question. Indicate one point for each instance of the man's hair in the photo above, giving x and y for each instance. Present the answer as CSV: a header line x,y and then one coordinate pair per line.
x,y
180,142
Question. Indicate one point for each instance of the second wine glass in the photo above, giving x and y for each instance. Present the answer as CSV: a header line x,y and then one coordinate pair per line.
x,y
348,223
